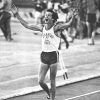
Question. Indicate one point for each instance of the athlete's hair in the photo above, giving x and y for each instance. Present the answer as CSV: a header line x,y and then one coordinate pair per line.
x,y
54,14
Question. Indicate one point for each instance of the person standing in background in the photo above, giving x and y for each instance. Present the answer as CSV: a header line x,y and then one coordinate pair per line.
x,y
5,18
91,20
98,13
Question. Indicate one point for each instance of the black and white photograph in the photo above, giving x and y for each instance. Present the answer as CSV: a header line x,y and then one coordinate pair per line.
x,y
49,49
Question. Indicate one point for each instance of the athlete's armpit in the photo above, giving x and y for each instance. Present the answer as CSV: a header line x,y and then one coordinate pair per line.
x,y
58,33
57,29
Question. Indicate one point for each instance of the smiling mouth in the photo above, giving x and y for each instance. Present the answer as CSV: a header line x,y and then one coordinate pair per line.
x,y
46,20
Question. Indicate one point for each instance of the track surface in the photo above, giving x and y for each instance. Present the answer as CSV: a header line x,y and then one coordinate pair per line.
x,y
25,46
69,91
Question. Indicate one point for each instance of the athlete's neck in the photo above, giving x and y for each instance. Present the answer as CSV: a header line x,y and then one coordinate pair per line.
x,y
48,26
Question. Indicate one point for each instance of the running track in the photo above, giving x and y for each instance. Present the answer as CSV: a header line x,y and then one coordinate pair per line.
x,y
86,90
64,92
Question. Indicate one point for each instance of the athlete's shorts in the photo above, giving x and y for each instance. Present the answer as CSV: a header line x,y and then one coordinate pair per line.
x,y
50,57
91,18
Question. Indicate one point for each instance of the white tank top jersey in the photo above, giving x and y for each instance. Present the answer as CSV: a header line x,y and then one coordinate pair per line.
x,y
50,41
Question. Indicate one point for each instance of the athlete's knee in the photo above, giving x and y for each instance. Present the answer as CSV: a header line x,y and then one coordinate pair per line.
x,y
41,81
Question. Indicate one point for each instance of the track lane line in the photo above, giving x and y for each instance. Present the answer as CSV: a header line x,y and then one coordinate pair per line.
x,y
87,94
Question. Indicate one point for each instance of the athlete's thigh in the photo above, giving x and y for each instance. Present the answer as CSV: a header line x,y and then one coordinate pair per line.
x,y
53,71
42,71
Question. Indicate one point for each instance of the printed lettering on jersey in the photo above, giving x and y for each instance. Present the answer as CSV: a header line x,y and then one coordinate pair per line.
x,y
47,37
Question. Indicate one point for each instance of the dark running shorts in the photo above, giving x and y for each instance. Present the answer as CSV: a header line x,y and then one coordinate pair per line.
x,y
50,57
91,18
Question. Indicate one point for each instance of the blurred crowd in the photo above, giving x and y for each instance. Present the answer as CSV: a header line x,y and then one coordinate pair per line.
x,y
64,8
80,28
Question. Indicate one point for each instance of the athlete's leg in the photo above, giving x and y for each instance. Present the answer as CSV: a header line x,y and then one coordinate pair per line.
x,y
53,72
42,73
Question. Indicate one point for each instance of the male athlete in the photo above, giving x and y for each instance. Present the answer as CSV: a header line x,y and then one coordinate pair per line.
x,y
50,42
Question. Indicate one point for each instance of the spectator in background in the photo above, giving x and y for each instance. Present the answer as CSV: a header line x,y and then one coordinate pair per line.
x,y
38,12
50,5
44,8
40,8
56,4
81,20
91,20
5,17
72,28
62,15
98,12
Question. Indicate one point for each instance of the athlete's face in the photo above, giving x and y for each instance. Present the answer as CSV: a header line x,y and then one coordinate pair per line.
x,y
48,18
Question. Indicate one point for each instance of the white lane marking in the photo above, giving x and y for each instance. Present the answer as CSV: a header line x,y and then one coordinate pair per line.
x,y
87,94
22,78
59,73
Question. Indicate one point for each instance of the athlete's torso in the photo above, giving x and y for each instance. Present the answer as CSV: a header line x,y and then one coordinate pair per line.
x,y
50,41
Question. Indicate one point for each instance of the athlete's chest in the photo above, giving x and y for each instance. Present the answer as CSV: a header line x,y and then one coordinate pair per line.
x,y
48,34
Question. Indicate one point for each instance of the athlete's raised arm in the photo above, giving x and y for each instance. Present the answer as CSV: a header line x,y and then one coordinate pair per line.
x,y
63,25
27,25
23,22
